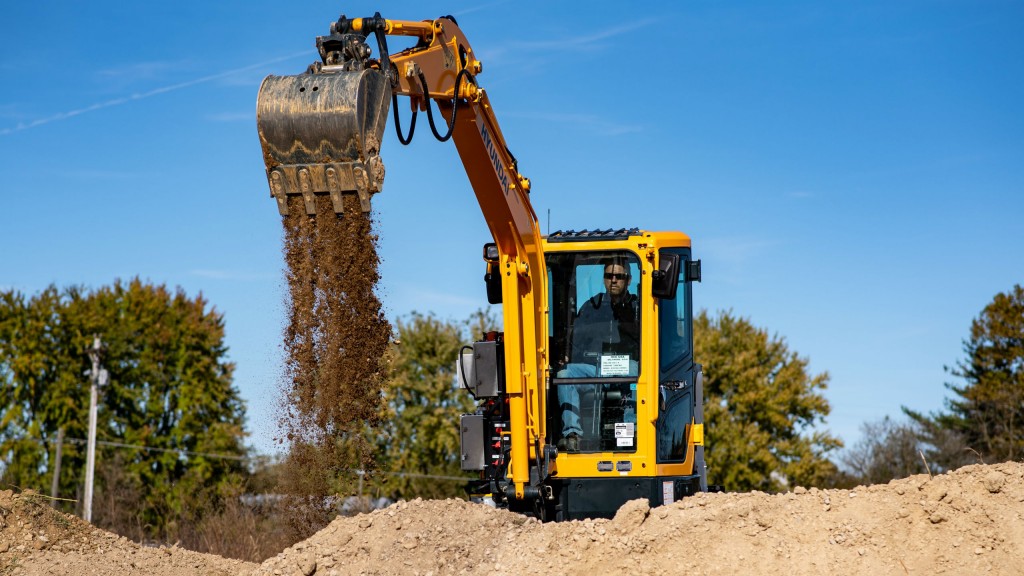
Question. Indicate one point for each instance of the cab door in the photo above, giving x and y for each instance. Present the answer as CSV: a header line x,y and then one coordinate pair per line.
x,y
680,395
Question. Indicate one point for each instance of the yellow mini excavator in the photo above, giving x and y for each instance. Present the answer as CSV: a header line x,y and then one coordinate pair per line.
x,y
590,396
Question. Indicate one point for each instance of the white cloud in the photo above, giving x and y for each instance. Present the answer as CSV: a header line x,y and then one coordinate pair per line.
x,y
140,71
139,96
523,54
585,42
464,11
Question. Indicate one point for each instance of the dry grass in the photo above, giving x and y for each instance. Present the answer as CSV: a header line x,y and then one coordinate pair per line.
x,y
252,532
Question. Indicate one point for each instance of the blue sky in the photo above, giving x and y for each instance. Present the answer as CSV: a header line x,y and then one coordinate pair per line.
x,y
850,172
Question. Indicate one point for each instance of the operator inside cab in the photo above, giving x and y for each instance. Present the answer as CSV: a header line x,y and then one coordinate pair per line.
x,y
596,384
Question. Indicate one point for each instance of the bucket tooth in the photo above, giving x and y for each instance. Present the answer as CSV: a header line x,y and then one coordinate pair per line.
x,y
277,190
364,200
306,188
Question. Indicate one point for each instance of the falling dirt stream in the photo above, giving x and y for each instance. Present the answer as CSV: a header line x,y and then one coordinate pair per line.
x,y
335,341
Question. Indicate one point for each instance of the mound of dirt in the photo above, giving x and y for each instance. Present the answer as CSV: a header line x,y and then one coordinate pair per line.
x,y
967,521
36,539
964,522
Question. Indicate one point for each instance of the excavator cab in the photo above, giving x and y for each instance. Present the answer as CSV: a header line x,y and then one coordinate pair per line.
x,y
623,401
621,340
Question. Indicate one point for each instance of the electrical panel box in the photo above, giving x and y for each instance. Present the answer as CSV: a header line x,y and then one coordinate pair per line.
x,y
478,370
471,430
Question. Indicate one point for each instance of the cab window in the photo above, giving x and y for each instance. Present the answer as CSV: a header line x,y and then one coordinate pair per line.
x,y
595,305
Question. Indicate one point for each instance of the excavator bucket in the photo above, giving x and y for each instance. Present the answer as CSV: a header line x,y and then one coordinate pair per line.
x,y
321,134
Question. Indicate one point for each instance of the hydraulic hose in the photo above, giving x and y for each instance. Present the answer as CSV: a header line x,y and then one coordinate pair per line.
x,y
455,104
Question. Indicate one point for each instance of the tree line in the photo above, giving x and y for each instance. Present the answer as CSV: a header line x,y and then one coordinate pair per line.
x,y
170,403
174,465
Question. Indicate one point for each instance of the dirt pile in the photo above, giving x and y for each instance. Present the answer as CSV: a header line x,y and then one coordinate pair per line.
x,y
968,521
36,539
965,522
334,342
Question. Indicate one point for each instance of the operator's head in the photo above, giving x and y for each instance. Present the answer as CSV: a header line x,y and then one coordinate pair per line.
x,y
616,277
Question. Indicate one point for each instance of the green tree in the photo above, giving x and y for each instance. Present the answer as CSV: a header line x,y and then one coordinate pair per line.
x,y
40,389
170,391
423,405
761,408
986,417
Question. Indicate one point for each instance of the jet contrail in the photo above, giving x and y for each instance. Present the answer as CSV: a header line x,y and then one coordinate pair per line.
x,y
140,96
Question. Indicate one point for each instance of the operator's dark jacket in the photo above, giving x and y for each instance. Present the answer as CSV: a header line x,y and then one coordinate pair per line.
x,y
605,327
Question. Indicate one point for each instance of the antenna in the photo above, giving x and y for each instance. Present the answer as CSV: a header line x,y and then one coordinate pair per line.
x,y
549,221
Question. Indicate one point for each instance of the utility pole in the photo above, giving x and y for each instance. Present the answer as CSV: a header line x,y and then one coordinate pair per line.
x,y
55,485
98,377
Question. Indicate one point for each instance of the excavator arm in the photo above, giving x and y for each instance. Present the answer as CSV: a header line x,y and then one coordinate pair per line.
x,y
321,133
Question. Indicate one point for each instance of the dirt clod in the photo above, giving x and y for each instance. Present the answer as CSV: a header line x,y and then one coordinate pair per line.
x,y
307,564
994,481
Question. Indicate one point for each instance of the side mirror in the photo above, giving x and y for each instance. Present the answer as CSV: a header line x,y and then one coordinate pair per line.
x,y
665,279
693,271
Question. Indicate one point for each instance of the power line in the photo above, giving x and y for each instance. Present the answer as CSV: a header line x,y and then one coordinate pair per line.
x,y
148,448
153,449
238,458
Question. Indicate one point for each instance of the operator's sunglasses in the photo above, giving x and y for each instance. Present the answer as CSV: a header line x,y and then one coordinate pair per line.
x,y
611,276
